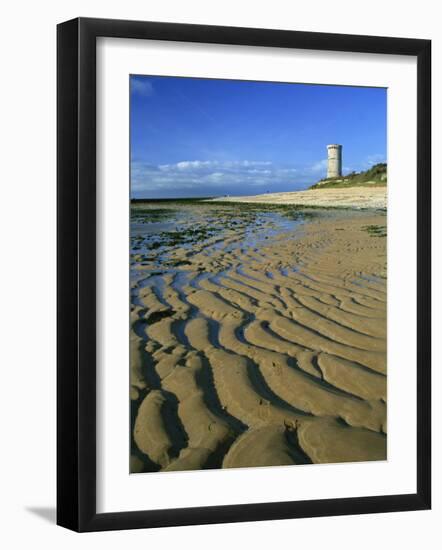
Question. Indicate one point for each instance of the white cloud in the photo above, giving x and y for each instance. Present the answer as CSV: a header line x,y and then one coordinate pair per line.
x,y
194,164
208,165
319,167
218,175
141,86
374,159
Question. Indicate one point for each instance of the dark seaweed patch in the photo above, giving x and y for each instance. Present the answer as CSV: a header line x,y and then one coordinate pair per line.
x,y
376,230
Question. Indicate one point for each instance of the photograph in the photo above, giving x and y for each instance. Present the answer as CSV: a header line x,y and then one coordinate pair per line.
x,y
224,212
258,273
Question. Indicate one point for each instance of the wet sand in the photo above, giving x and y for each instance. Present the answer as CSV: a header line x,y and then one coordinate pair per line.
x,y
258,336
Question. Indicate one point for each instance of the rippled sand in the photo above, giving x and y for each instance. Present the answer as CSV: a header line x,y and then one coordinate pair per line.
x,y
258,337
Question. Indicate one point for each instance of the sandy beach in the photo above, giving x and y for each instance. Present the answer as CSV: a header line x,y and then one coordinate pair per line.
x,y
258,332
353,197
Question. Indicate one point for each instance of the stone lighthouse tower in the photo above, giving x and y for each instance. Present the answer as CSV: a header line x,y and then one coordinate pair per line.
x,y
334,167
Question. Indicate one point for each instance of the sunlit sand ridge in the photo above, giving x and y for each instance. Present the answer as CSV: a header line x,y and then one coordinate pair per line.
x,y
258,337
370,196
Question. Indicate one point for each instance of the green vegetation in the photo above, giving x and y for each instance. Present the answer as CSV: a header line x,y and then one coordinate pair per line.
x,y
376,176
376,230
139,214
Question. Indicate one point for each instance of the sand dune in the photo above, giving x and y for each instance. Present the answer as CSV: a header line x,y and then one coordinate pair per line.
x,y
267,354
353,197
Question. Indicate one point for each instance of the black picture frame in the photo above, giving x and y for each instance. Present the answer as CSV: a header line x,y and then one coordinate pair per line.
x,y
76,271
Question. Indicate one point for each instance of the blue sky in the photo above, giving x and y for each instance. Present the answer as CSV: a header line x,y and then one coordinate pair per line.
x,y
199,137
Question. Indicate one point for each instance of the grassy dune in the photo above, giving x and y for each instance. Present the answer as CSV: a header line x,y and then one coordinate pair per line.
x,y
376,176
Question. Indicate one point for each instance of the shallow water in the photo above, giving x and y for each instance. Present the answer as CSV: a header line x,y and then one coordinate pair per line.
x,y
196,226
